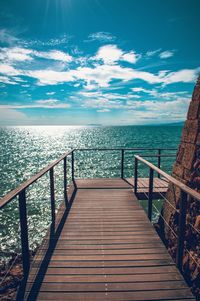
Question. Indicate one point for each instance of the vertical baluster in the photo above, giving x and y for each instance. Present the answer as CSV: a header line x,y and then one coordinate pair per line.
x,y
73,178
24,232
52,192
159,160
150,196
65,181
122,163
181,229
136,175
73,166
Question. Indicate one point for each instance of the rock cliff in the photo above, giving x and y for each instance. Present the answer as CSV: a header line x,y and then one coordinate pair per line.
x,y
187,170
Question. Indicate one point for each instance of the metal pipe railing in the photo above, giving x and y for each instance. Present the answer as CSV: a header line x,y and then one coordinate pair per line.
x,y
12,194
159,154
171,179
186,192
20,191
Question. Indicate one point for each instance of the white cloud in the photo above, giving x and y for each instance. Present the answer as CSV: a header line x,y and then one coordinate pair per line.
x,y
110,54
15,54
184,76
101,103
63,39
91,86
166,54
163,55
42,104
141,110
102,75
130,57
179,105
6,80
9,70
159,94
99,75
50,93
103,111
47,101
50,77
101,36
172,106
54,55
138,89
99,94
153,52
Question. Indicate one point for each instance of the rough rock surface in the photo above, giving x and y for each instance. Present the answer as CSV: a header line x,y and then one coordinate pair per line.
x,y
187,170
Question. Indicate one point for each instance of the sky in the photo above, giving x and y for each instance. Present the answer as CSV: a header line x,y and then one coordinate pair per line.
x,y
108,62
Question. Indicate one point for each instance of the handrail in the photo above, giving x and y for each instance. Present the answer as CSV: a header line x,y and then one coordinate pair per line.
x,y
185,191
12,194
171,179
20,191
122,148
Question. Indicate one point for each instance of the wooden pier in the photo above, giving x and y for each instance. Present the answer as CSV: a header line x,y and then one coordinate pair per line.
x,y
107,250
101,244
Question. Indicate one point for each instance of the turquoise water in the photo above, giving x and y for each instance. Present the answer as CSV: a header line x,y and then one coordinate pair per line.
x,y
25,150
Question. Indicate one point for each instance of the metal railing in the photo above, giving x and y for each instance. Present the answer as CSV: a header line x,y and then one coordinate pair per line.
x,y
20,191
186,192
157,153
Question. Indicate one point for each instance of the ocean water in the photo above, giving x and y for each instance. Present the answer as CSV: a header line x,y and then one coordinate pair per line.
x,y
25,150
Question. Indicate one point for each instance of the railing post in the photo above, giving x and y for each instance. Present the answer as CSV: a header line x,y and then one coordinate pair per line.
x,y
122,163
181,229
150,196
136,175
73,178
52,191
24,232
65,181
159,160
73,166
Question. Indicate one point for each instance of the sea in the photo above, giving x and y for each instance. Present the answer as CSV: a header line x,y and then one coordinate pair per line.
x,y
25,150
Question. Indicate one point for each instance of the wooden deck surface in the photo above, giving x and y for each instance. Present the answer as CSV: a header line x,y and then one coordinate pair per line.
x,y
107,250
160,185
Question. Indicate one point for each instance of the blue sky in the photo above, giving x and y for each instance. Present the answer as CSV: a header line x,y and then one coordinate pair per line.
x,y
112,62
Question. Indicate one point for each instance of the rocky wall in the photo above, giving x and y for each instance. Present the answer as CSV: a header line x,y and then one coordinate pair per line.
x,y
187,170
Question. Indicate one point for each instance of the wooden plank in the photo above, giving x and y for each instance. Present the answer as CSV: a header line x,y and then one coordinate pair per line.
x,y
98,287
109,263
118,296
109,257
130,246
109,270
109,252
112,278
